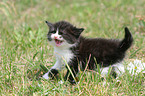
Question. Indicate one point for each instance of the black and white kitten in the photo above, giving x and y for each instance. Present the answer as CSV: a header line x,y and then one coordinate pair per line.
x,y
72,48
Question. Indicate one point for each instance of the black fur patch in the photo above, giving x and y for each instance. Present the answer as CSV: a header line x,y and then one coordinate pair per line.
x,y
53,73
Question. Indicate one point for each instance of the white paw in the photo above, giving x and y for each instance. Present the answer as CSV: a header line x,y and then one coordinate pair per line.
x,y
45,76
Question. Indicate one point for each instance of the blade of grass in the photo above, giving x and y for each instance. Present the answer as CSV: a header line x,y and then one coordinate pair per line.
x,y
71,73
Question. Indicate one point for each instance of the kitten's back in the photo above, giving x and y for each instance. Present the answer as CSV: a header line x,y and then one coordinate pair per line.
x,y
106,51
101,44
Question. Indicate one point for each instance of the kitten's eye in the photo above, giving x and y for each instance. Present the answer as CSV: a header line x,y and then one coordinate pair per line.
x,y
60,33
52,31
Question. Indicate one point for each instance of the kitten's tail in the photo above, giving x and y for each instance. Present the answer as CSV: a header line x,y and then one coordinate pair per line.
x,y
126,42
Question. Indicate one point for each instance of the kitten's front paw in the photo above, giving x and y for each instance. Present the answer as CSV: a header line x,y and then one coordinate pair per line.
x,y
46,76
51,74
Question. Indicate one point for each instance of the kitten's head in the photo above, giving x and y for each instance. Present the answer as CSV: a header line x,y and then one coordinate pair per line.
x,y
63,33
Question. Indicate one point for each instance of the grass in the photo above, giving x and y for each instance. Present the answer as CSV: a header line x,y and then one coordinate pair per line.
x,y
24,45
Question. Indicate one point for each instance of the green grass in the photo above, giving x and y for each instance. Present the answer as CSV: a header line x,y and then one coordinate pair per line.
x,y
24,45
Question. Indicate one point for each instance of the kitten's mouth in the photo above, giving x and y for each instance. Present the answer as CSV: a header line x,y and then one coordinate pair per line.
x,y
58,42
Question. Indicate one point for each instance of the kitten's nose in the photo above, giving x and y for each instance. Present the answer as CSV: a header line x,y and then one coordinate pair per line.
x,y
55,37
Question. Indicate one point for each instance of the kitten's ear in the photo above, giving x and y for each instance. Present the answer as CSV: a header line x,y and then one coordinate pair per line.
x,y
50,25
78,31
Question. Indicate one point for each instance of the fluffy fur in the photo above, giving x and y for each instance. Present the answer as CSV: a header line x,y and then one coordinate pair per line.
x,y
72,48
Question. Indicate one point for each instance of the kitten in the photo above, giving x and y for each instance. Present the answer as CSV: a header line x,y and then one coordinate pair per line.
x,y
72,48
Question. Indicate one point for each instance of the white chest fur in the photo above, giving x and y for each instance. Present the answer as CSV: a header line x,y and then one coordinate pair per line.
x,y
63,54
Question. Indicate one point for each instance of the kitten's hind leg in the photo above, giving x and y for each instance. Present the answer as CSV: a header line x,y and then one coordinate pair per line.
x,y
109,71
